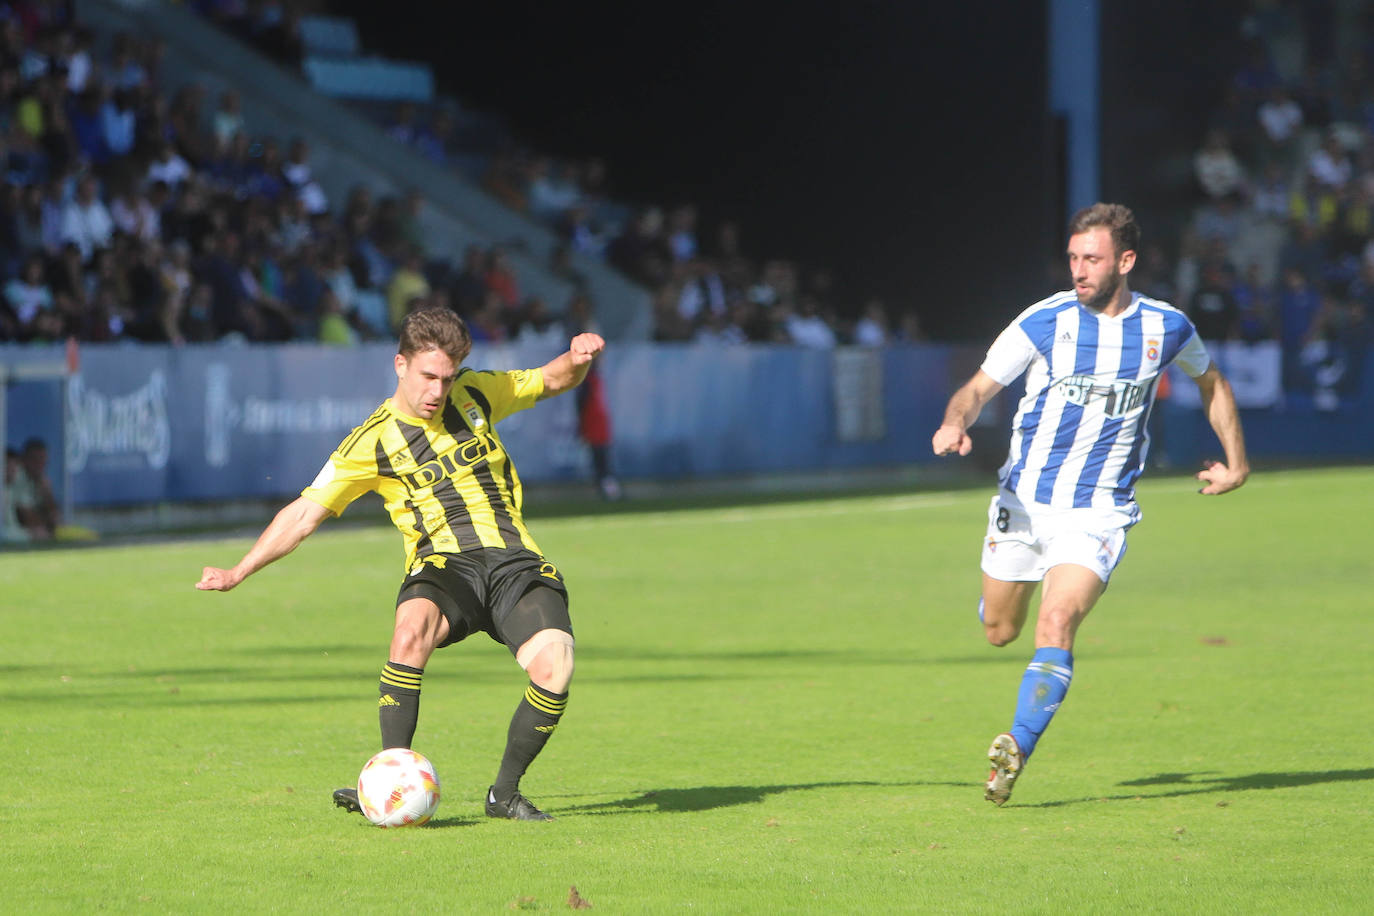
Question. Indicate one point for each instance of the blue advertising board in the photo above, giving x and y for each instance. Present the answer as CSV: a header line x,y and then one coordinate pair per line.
x,y
147,424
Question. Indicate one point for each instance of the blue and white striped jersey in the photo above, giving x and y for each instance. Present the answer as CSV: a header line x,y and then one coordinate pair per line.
x,y
1079,437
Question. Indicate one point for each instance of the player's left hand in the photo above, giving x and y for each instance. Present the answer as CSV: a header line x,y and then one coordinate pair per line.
x,y
214,579
586,347
1217,478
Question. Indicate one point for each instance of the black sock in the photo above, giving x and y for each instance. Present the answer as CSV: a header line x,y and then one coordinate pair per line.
x,y
535,719
398,707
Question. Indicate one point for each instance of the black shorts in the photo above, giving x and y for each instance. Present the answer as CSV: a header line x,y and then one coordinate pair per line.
x,y
478,590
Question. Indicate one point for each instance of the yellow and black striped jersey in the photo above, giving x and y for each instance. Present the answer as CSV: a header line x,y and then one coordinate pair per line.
x,y
447,482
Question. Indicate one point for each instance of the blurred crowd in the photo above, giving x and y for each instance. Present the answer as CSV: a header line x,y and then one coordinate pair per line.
x,y
131,213
704,286
1280,246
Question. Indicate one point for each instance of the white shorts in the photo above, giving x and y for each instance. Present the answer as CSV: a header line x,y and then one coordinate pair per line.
x,y
1021,545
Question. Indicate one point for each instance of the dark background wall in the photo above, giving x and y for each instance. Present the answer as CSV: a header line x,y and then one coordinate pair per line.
x,y
1163,68
904,146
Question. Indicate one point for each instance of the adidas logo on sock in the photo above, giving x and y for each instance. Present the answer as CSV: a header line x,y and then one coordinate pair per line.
x,y
387,699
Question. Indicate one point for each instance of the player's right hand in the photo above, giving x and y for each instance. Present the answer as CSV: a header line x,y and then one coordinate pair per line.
x,y
213,579
949,440
1217,478
586,347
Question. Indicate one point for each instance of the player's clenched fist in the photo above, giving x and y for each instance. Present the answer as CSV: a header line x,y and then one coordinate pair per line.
x,y
949,440
213,579
586,347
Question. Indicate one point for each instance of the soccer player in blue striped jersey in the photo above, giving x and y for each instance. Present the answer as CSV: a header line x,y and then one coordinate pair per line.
x,y
431,451
1093,357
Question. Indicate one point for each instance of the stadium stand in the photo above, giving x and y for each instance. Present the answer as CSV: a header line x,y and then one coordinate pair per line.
x,y
1279,245
166,183
267,192
699,290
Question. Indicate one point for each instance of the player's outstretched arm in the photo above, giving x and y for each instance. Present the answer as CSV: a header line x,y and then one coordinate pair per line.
x,y
566,371
952,437
1219,402
294,523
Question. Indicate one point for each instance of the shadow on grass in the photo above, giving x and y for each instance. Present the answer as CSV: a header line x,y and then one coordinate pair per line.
x,y
855,656
444,823
438,823
702,798
1196,784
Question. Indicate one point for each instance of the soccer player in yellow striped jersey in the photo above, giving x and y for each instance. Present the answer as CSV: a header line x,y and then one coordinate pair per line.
x,y
432,453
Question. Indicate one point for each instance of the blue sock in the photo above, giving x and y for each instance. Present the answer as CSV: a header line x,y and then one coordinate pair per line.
x,y
1043,687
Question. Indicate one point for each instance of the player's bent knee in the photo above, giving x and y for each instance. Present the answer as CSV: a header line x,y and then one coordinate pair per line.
x,y
547,658
1001,635
1002,622
1001,632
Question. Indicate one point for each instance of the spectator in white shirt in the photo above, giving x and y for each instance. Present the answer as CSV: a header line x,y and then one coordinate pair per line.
x,y
169,167
228,117
550,192
807,328
1280,117
1330,165
1219,172
75,50
702,293
86,222
135,216
872,329
28,294
297,172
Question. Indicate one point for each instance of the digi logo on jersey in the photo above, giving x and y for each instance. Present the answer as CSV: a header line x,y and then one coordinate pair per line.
x,y
446,465
1121,396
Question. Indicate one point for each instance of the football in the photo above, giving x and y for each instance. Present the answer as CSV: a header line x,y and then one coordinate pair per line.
x,y
398,788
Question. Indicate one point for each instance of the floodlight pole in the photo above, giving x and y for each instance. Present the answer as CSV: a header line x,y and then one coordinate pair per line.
x,y
1075,89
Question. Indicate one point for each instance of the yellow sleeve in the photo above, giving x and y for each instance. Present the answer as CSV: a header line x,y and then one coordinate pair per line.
x,y
505,392
341,481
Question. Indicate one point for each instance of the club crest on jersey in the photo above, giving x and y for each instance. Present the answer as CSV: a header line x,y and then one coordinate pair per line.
x,y
1152,350
474,415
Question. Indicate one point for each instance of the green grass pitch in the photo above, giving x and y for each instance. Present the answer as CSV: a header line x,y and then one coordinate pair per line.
x,y
777,708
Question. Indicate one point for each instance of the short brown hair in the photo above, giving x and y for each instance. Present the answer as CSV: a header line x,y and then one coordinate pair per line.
x,y
1119,219
435,328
